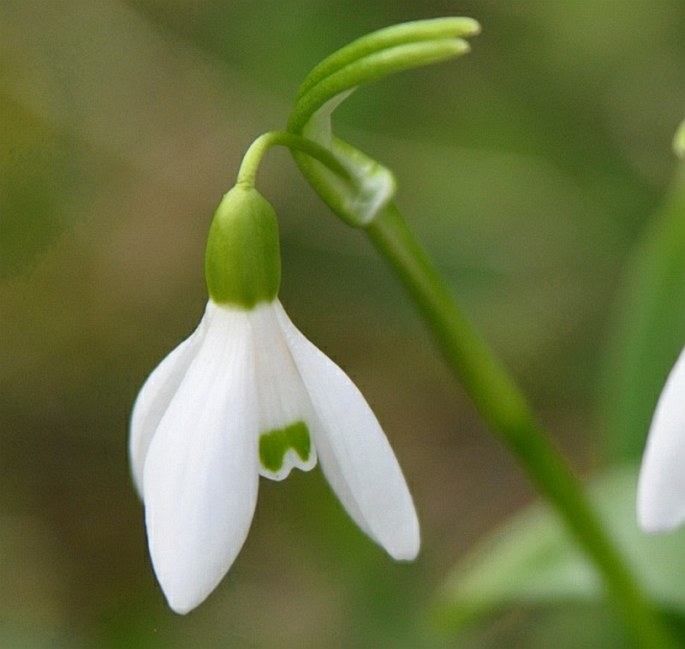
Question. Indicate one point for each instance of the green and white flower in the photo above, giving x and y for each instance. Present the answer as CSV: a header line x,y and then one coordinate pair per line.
x,y
248,395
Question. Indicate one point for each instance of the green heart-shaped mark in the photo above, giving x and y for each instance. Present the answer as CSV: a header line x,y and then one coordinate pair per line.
x,y
275,444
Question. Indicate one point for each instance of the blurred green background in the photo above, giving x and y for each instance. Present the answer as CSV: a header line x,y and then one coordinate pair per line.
x,y
529,168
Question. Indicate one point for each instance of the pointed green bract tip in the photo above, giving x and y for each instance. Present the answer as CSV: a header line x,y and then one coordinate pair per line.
x,y
679,141
242,259
275,444
464,26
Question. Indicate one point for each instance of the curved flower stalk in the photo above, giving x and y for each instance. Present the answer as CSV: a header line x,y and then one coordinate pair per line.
x,y
248,395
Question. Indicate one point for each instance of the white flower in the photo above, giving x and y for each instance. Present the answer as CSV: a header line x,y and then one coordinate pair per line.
x,y
248,394
661,487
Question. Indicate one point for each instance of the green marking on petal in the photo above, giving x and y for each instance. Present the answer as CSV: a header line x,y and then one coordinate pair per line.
x,y
275,444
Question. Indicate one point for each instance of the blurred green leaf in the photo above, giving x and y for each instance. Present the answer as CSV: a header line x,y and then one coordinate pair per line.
x,y
532,561
38,172
542,627
28,224
650,330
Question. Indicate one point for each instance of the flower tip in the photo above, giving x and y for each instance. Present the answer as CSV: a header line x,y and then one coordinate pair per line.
x,y
656,514
645,521
407,547
183,595
650,525
184,602
180,607
407,554
652,521
401,539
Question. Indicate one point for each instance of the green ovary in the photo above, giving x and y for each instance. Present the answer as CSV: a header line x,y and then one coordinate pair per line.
x,y
275,444
243,259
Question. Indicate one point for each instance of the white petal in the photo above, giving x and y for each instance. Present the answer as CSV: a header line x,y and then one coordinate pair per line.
x,y
354,452
154,398
201,472
282,397
661,487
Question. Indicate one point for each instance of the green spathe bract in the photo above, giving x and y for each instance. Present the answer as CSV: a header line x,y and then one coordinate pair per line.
x,y
242,260
275,444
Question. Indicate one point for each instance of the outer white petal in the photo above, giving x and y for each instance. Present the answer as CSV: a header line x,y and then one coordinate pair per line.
x,y
154,398
282,397
661,487
201,471
354,452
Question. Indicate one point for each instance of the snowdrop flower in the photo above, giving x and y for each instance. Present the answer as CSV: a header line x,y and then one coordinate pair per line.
x,y
661,487
248,395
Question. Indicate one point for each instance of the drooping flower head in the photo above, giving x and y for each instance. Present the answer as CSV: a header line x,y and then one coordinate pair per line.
x,y
248,395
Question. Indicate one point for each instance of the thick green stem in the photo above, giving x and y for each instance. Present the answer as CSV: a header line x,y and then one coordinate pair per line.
x,y
507,412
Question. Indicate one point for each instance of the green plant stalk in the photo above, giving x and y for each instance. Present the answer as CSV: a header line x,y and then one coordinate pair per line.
x,y
507,412
249,166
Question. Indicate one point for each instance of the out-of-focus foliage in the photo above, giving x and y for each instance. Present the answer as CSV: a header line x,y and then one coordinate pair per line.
x,y
651,326
532,561
530,169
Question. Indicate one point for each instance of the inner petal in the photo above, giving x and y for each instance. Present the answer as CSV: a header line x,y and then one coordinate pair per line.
x,y
284,406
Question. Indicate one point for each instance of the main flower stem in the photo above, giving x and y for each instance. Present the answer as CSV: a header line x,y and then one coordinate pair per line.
x,y
507,412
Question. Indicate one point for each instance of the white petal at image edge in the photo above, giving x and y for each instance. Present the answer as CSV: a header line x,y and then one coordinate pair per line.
x,y
661,487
